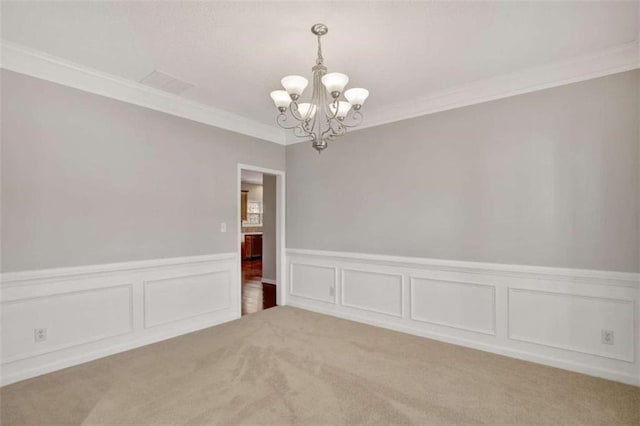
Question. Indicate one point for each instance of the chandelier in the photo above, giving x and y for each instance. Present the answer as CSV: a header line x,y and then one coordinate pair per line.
x,y
326,117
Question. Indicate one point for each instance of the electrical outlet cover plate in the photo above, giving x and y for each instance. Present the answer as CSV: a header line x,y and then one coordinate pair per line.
x,y
607,337
39,334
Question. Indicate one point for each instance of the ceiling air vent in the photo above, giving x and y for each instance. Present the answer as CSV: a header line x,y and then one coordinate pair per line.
x,y
162,81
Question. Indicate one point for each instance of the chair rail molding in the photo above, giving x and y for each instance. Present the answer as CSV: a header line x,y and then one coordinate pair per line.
x,y
38,276
587,276
551,316
93,311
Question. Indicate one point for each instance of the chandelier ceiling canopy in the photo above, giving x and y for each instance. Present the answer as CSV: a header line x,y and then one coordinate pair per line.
x,y
326,116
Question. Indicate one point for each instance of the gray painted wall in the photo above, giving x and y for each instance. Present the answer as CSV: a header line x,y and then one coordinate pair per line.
x,y
89,180
547,178
269,227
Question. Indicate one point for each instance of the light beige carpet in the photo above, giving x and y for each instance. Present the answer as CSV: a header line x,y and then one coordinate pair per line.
x,y
286,365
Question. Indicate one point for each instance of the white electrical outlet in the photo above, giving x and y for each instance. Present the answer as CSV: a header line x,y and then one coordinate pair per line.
x,y
332,292
39,334
223,227
607,337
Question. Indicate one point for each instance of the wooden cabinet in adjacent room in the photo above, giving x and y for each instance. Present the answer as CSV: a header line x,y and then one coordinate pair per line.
x,y
256,247
252,247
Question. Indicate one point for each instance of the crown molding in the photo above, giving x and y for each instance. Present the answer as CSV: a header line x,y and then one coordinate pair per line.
x,y
37,64
47,67
618,59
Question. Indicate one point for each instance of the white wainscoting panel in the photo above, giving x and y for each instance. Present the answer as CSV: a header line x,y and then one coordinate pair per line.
x,y
172,299
372,291
71,319
313,282
552,316
94,311
463,305
572,322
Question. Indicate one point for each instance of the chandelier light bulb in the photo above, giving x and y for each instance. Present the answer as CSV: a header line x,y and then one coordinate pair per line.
x,y
343,109
356,96
281,98
294,85
335,82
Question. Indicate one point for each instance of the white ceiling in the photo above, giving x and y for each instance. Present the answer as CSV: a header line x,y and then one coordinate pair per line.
x,y
236,52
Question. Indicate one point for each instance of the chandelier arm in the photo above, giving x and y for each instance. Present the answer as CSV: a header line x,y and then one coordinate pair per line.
x,y
306,128
330,133
281,121
336,123
295,113
309,124
299,132
356,118
334,115
341,130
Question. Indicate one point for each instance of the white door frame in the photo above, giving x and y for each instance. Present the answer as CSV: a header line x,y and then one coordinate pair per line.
x,y
281,269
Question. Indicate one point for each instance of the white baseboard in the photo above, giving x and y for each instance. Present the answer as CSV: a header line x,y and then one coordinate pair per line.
x,y
268,281
94,311
551,316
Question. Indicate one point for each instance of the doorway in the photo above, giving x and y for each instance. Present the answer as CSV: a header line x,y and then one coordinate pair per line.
x,y
261,208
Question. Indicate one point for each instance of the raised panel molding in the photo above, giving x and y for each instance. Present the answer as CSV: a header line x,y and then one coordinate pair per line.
x,y
313,282
99,310
551,326
578,276
383,294
447,305
44,320
195,289
472,304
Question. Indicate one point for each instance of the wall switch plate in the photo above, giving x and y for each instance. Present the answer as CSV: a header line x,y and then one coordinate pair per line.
x,y
223,227
607,337
39,334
